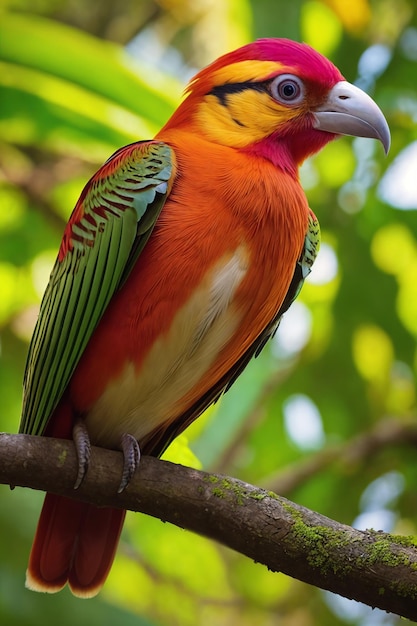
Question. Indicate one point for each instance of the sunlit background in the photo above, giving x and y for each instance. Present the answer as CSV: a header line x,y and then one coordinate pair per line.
x,y
327,414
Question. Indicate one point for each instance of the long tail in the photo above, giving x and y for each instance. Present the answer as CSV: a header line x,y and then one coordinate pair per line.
x,y
75,542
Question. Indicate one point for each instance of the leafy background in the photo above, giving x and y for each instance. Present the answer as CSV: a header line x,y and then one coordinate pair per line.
x,y
326,415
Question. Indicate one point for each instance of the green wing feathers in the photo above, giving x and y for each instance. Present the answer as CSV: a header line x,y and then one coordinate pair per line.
x,y
310,251
106,233
302,268
312,242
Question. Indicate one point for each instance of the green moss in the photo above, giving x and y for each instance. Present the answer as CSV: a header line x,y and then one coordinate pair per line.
x,y
381,552
400,540
225,487
319,543
404,589
239,492
273,495
258,495
211,478
62,458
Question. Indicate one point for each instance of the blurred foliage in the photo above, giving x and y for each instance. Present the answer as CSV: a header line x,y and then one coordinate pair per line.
x,y
80,79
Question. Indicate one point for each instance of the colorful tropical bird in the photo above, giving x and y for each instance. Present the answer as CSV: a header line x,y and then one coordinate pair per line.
x,y
175,268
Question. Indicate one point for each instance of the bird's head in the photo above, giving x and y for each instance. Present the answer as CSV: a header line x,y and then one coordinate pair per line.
x,y
279,99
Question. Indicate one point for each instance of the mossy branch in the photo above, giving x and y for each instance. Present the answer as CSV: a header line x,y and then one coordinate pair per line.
x,y
372,567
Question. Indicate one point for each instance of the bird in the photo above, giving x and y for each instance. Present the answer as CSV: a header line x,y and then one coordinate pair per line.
x,y
175,268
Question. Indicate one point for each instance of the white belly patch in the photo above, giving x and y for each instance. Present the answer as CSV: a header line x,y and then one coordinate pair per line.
x,y
138,401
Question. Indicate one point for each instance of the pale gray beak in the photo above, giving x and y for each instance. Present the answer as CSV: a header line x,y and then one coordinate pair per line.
x,y
350,111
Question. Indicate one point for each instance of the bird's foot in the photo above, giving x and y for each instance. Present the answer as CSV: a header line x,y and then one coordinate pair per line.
x,y
131,458
83,449
129,446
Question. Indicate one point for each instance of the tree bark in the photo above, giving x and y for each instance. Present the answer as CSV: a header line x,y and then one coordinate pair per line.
x,y
372,567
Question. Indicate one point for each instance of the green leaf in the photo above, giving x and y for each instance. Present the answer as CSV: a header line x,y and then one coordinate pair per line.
x,y
97,66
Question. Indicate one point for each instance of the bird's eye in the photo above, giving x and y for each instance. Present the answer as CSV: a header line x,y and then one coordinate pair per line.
x,y
287,89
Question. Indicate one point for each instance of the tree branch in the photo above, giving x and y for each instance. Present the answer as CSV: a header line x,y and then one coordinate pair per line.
x,y
372,567
360,449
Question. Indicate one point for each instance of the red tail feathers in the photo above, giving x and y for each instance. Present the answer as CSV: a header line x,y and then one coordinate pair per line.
x,y
75,542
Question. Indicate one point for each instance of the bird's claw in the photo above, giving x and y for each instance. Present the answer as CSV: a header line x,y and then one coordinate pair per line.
x,y
131,458
130,449
83,450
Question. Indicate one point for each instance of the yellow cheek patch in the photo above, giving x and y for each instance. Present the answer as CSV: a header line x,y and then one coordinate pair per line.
x,y
243,71
246,117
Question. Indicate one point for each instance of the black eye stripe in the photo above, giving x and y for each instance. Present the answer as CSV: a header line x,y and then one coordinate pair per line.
x,y
222,91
